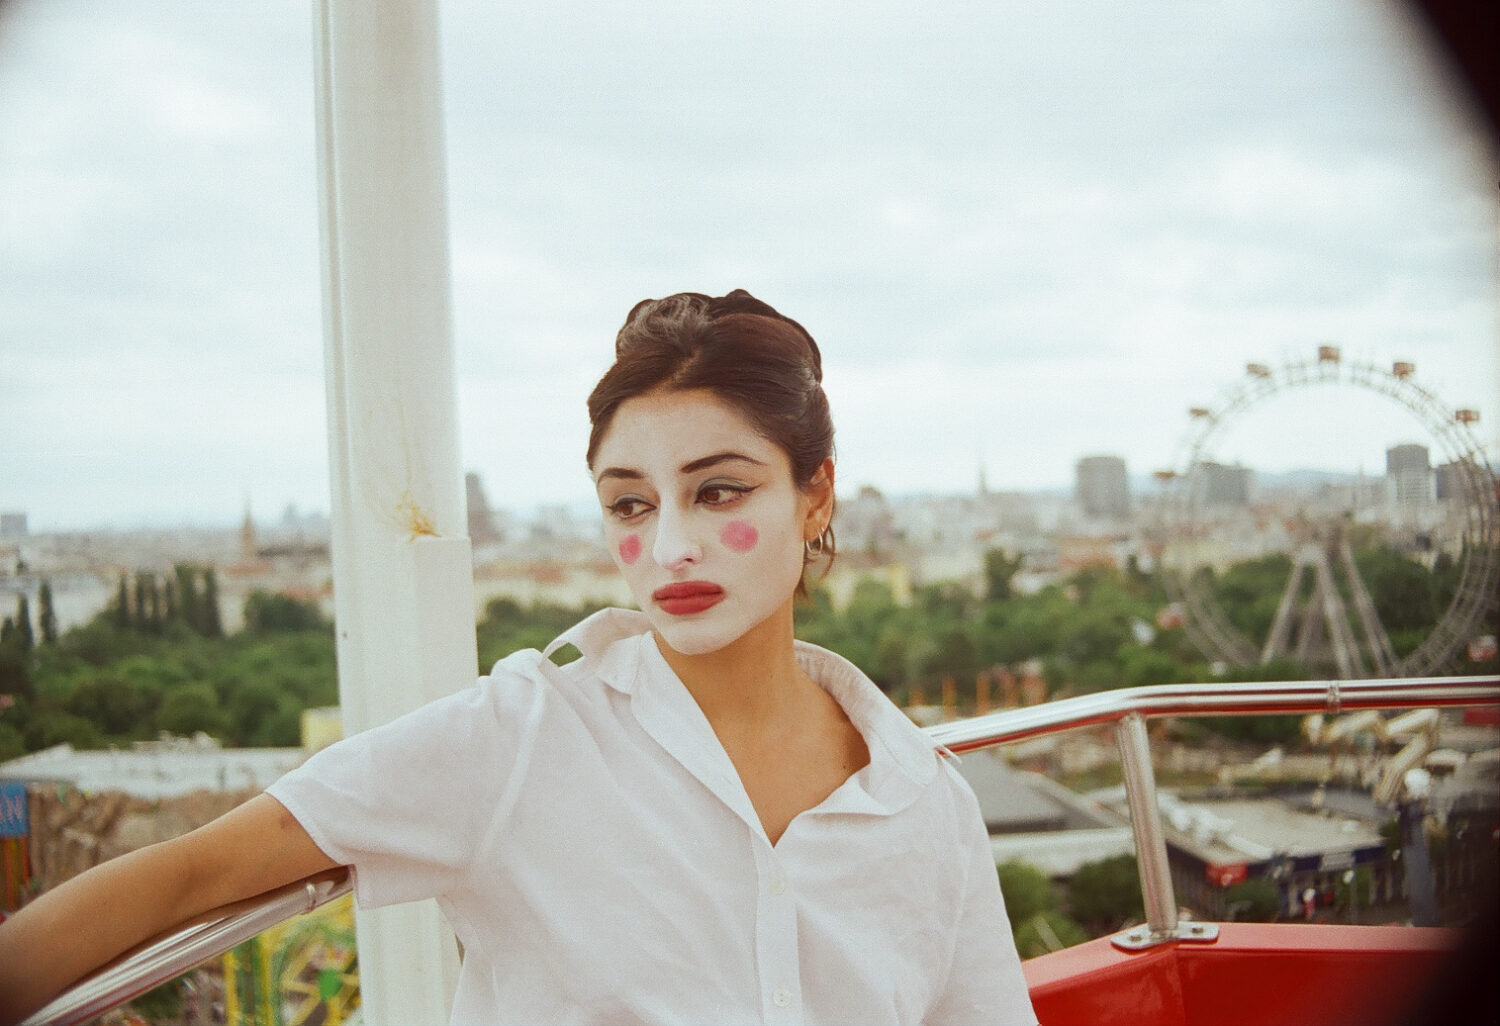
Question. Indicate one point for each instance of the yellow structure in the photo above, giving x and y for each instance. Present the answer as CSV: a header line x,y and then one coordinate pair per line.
x,y
321,727
303,971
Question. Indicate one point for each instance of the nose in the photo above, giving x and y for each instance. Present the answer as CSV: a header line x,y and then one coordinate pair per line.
x,y
674,547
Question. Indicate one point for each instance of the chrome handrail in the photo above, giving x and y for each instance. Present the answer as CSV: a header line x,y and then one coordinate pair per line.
x,y
1128,709
178,950
1255,698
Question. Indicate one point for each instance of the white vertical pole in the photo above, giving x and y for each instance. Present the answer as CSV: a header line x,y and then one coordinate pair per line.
x,y
403,582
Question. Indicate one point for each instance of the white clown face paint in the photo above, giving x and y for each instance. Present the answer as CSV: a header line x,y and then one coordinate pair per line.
x,y
701,516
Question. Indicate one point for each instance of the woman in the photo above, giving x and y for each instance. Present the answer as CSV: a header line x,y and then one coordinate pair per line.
x,y
700,820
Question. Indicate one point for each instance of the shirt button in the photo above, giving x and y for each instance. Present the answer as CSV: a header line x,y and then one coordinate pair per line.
x,y
781,997
778,884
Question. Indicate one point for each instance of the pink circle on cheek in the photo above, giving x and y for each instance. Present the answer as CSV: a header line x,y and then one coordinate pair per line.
x,y
630,549
739,536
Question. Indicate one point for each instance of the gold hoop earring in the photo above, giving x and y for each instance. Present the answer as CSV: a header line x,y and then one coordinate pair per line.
x,y
813,547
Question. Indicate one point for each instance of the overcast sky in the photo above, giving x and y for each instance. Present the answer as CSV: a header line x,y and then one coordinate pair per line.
x,y
1022,233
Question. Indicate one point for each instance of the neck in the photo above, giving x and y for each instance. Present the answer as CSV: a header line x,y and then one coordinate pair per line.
x,y
748,682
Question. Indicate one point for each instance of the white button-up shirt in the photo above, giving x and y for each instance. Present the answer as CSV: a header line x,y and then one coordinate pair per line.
x,y
593,848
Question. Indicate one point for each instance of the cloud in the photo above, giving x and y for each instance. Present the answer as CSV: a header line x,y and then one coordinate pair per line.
x,y
1020,232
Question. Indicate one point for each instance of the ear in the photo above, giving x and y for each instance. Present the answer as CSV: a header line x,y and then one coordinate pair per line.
x,y
819,492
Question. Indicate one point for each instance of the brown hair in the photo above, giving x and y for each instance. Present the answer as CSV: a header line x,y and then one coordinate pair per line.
x,y
763,364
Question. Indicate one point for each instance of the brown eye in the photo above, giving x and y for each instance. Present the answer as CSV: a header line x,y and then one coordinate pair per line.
x,y
722,494
628,508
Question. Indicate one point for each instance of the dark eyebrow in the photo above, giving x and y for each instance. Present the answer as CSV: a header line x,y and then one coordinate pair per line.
x,y
690,467
704,462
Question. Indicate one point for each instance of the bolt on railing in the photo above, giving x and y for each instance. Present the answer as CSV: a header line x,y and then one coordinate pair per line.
x,y
178,950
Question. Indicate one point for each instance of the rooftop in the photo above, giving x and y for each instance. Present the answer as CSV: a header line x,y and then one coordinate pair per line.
x,y
156,769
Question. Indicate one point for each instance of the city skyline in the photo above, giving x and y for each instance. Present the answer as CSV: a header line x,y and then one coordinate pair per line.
x,y
1140,485
1020,236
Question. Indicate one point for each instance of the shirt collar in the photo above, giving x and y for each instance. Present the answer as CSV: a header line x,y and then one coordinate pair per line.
x,y
597,637
902,758
900,753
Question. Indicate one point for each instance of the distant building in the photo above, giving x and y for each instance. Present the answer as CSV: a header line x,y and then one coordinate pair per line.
x,y
1040,822
12,526
249,540
166,768
1220,484
1102,487
1409,480
1448,482
866,523
482,527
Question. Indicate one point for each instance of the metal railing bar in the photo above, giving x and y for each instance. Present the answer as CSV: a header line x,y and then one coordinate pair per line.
x,y
1219,699
178,950
1145,821
1128,709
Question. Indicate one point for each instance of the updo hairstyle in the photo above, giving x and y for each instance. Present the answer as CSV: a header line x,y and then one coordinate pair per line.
x,y
761,363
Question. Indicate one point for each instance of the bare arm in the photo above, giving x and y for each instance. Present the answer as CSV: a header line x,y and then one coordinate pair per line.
x,y
77,927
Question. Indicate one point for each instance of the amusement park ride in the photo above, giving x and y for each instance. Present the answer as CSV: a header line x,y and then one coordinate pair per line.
x,y
1313,624
402,566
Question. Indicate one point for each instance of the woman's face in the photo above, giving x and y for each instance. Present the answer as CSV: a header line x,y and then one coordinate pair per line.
x,y
702,517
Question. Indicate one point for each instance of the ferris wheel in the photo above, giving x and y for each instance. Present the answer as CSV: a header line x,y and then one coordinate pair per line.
x,y
1325,617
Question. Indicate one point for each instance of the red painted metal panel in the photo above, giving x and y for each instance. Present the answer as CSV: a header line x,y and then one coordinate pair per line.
x,y
1253,975
1097,984
1330,975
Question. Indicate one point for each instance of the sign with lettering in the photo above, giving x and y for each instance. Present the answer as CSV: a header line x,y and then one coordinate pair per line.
x,y
14,820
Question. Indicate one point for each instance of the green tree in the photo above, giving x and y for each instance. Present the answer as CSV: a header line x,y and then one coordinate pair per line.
x,y
1401,589
1140,665
281,729
122,605
213,626
1092,635
1031,902
140,616
268,612
946,602
189,602
47,615
1252,901
154,620
15,667
24,634
187,710
250,708
1026,889
1046,932
48,725
953,654
1105,895
1249,592
114,705
507,627
12,742
1000,568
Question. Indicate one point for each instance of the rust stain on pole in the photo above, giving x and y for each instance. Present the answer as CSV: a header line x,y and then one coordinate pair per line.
x,y
415,519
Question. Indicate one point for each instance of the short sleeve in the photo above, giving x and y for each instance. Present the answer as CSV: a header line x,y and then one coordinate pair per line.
x,y
409,804
985,983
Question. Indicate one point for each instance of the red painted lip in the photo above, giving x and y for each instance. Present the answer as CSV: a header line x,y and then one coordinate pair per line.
x,y
687,597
